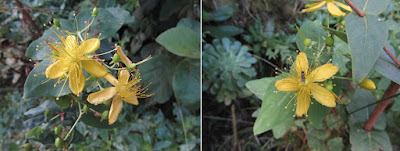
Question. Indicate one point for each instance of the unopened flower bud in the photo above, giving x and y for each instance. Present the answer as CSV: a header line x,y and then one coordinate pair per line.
x,y
367,84
95,11
56,23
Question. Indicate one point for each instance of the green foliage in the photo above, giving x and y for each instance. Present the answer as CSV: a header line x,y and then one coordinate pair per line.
x,y
276,103
366,47
186,82
181,41
227,67
269,41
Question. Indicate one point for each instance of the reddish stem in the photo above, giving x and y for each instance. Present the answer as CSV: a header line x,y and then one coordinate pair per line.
x,y
391,56
27,17
358,11
391,90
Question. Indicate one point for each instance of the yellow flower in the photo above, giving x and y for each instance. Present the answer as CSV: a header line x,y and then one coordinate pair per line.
x,y
71,57
302,81
331,4
125,90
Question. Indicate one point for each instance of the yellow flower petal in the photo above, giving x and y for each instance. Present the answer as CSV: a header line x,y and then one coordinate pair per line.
x,y
314,7
101,96
71,43
303,102
288,84
57,69
313,4
301,64
132,99
323,72
348,8
94,68
110,78
123,57
322,95
335,11
115,109
89,46
76,79
123,76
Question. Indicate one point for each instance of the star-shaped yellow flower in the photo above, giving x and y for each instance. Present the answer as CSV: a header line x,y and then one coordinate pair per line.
x,y
125,90
71,57
331,4
302,81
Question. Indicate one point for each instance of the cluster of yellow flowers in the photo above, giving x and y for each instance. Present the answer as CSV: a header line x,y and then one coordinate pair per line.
x,y
71,57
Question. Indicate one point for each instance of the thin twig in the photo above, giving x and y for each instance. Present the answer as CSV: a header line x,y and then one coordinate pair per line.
x,y
27,17
376,102
391,56
390,91
358,11
266,61
234,129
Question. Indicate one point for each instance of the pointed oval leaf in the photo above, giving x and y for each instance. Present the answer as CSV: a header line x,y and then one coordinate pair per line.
x,y
366,37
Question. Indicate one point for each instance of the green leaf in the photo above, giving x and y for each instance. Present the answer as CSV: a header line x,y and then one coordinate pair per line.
x,y
63,102
34,132
43,48
366,38
186,82
362,98
190,23
372,7
335,144
339,34
121,14
159,72
386,66
314,31
181,41
315,139
223,31
282,128
316,113
362,140
105,4
273,112
91,120
222,13
338,58
39,85
105,23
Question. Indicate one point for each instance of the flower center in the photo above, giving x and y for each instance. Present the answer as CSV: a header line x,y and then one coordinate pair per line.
x,y
328,1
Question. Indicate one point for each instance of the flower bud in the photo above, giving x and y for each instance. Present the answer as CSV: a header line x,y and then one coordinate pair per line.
x,y
329,41
116,58
27,147
107,102
59,142
104,115
86,109
367,84
57,130
95,11
307,42
329,87
56,22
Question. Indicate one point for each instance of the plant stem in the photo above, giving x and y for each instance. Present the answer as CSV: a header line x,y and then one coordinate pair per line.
x,y
391,56
183,125
390,91
384,99
266,61
345,78
76,122
358,11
